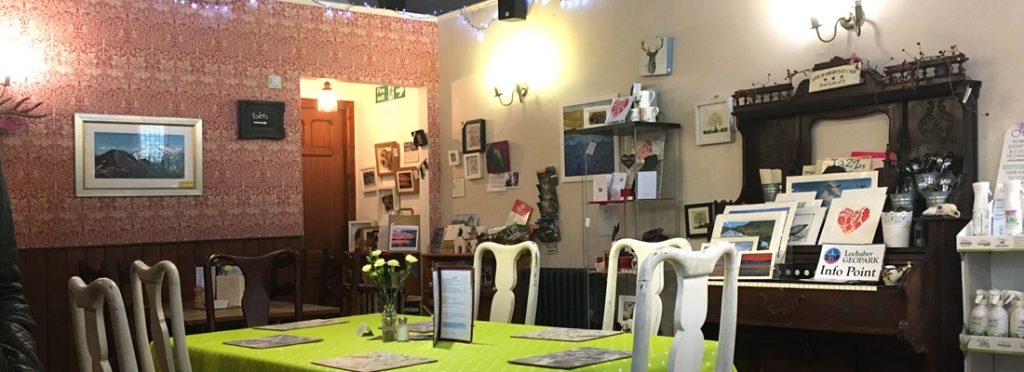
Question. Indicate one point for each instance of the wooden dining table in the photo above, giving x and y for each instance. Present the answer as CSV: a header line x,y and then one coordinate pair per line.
x,y
492,348
278,310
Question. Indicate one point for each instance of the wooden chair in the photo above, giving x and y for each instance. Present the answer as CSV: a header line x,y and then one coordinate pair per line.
x,y
153,279
688,344
259,272
641,250
505,257
87,303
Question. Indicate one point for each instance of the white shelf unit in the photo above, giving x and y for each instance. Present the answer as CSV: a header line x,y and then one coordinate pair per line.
x,y
999,267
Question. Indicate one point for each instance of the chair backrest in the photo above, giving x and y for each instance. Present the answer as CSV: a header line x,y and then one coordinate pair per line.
x,y
152,278
688,344
505,276
641,250
258,272
87,303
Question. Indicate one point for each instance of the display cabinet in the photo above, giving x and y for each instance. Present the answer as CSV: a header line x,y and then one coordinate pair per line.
x,y
990,266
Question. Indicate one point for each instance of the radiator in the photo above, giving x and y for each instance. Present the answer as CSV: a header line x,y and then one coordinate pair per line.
x,y
561,298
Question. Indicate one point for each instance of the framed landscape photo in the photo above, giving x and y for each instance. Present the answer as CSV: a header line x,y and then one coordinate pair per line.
x,y
404,238
387,158
137,156
474,136
714,122
368,179
699,220
406,181
769,227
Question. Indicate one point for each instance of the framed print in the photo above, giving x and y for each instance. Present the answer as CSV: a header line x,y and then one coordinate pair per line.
x,y
472,167
137,156
714,122
474,136
454,158
627,305
767,226
575,162
852,220
260,120
406,181
368,179
806,226
619,110
656,56
387,158
595,116
743,246
498,157
404,238
789,208
419,138
410,154
830,186
354,229
699,220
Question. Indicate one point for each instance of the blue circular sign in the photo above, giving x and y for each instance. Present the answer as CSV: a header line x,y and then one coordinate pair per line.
x,y
832,255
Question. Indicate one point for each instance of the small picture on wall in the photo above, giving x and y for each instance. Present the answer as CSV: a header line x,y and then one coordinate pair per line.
x,y
472,166
474,136
595,116
454,158
387,199
405,238
498,157
627,304
714,122
407,182
387,158
410,154
369,179
656,56
699,220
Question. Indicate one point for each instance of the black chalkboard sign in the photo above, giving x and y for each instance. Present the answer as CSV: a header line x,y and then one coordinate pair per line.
x,y
260,120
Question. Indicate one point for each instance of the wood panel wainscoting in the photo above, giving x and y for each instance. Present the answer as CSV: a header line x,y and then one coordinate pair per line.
x,y
45,273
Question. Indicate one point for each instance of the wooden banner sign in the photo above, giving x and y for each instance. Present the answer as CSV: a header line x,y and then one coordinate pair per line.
x,y
835,77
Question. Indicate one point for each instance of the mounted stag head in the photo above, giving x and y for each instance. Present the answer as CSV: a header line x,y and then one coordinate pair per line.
x,y
17,108
652,55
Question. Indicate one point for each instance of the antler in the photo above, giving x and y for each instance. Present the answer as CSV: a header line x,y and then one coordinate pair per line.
x,y
643,46
18,108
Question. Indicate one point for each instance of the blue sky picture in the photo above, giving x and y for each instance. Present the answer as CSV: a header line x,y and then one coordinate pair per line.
x,y
133,143
828,190
578,163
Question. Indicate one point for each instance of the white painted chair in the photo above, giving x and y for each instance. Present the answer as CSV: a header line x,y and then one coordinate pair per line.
x,y
688,344
87,303
640,250
505,277
153,279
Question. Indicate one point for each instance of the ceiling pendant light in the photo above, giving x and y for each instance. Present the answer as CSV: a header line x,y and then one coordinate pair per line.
x,y
328,101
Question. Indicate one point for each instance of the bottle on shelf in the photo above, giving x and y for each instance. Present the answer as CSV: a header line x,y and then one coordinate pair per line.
x,y
982,218
998,318
1016,313
1011,208
979,314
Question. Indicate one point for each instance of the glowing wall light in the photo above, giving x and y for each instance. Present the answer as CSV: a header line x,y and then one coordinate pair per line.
x,y
23,62
328,99
525,60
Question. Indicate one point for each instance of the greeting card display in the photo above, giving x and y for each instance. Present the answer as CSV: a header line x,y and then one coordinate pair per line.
x,y
852,220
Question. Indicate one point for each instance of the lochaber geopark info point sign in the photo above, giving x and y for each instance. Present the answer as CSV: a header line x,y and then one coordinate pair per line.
x,y
850,263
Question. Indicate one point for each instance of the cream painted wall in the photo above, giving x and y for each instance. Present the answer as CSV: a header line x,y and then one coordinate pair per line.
x,y
376,123
720,46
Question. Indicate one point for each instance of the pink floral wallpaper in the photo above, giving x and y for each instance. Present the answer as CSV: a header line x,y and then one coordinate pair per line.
x,y
156,58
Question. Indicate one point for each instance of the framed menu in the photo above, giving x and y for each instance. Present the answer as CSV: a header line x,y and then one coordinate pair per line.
x,y
453,304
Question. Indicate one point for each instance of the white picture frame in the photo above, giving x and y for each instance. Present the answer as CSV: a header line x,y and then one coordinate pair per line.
x,y
846,222
353,227
404,238
751,262
102,137
595,116
807,226
410,154
626,310
831,186
368,180
788,207
734,225
454,158
473,166
713,122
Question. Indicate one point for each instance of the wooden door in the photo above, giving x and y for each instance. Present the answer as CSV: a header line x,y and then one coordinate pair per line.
x,y
328,183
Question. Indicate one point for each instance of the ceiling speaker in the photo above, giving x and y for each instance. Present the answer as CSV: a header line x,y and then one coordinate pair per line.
x,y
512,10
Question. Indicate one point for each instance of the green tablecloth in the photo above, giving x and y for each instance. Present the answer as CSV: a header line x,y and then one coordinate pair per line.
x,y
491,349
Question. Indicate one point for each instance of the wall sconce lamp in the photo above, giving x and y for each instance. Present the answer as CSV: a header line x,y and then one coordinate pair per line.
x,y
520,91
328,99
9,106
852,22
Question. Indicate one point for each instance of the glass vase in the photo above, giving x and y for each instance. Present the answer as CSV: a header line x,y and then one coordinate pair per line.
x,y
389,323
